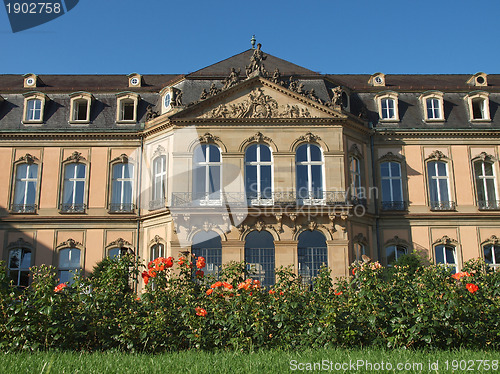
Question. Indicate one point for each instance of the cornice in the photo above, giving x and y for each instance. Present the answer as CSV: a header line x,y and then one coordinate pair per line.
x,y
455,133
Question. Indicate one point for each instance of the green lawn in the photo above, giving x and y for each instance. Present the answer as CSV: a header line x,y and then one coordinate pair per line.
x,y
261,362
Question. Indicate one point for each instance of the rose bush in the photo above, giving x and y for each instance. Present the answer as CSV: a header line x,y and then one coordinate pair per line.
x,y
408,305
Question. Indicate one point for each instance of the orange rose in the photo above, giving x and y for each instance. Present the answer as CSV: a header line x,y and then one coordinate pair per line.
x,y
199,274
200,311
471,287
145,277
60,287
200,263
216,285
169,262
227,285
461,274
209,292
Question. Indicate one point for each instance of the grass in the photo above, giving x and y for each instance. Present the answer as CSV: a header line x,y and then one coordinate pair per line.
x,y
271,361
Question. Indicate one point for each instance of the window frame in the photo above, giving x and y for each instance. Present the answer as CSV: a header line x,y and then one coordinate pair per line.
x,y
22,245
121,100
121,207
445,246
386,96
206,199
31,97
473,97
440,204
75,158
312,198
68,245
258,164
29,160
76,99
157,202
397,247
495,265
433,95
487,203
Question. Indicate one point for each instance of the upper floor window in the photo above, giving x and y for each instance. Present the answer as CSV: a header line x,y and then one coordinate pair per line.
x,y
156,250
80,107
492,255
122,187
439,188
479,106
446,254
127,103
25,188
309,168
355,173
433,105
207,174
392,186
69,264
486,189
34,104
19,266
359,250
159,182
387,103
258,174
73,199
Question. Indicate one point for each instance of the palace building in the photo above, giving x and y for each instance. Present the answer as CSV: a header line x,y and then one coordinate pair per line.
x,y
253,158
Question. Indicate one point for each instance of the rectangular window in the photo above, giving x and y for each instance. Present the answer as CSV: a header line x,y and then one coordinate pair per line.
x,y
433,109
392,186
34,110
388,111
122,188
127,111
74,187
439,193
25,188
81,110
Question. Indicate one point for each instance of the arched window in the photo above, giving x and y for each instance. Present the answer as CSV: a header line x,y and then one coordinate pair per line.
x,y
446,254
359,250
433,108
208,245
114,252
19,266
25,189
207,175
393,252
122,186
439,187
159,182
484,175
312,253
69,264
309,169
258,174
156,250
392,186
259,256
432,102
492,255
73,199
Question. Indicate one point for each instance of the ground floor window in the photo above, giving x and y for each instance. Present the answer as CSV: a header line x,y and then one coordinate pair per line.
x,y
259,256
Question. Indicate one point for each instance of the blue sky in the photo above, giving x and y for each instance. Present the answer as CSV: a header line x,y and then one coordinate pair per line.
x,y
327,36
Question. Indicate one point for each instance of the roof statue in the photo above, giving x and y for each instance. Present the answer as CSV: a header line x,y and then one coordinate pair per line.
x,y
256,66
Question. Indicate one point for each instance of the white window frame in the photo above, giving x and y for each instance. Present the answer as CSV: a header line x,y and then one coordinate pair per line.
x,y
439,247
396,246
435,179
159,173
74,180
311,200
496,261
258,164
384,112
20,269
25,180
29,115
390,178
76,99
480,181
123,99
122,180
483,98
72,271
437,100
355,175
207,199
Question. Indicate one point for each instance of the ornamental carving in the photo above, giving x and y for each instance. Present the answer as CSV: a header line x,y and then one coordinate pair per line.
x,y
70,243
156,240
483,156
208,138
311,225
150,113
354,151
232,79
28,158
397,241
279,221
309,138
389,156
258,138
19,243
360,238
258,105
177,97
75,157
158,152
123,158
446,240
120,243
437,155
493,239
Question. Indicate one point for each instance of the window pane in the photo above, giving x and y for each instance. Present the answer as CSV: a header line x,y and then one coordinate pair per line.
x,y
443,190
80,170
488,169
33,171
439,254
315,153
386,190
442,169
15,259
199,182
251,180
384,169
19,193
450,255
214,154
127,192
251,153
397,190
391,254
265,183
31,193
214,179
317,183
79,192
301,154
488,254
395,169
431,169
265,153
64,258
128,170
302,187
199,154
114,253
490,188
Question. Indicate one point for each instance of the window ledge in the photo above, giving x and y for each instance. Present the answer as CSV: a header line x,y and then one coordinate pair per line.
x,y
33,122
124,122
76,122
389,120
480,120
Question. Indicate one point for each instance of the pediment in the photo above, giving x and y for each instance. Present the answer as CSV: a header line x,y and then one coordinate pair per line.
x,y
257,98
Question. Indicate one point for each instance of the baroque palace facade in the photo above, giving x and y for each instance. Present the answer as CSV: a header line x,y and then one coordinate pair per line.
x,y
253,158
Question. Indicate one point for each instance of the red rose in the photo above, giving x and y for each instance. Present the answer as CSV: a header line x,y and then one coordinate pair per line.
x,y
200,263
145,277
209,292
60,286
200,311
169,262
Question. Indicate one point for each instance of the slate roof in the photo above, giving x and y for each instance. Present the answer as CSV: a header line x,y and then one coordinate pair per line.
x,y
105,87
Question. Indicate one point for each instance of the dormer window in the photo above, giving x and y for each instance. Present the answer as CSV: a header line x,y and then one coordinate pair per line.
x,y
127,107
433,106
387,103
377,80
479,80
479,106
34,103
80,107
